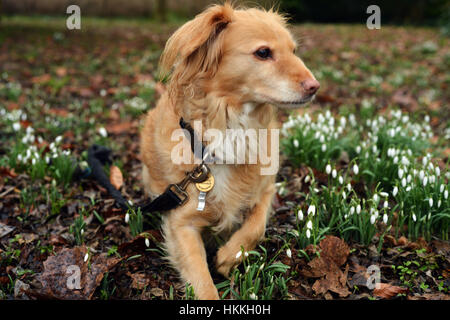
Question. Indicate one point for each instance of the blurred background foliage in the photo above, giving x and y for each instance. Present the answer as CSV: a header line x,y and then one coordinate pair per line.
x,y
416,12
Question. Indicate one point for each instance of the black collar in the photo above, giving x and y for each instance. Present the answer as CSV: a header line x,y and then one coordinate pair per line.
x,y
193,138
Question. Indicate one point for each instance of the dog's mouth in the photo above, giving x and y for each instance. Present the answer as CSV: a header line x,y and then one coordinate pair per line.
x,y
291,103
298,102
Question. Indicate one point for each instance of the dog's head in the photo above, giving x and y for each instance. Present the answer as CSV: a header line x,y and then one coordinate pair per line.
x,y
245,55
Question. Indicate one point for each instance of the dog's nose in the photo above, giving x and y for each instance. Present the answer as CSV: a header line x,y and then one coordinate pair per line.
x,y
311,86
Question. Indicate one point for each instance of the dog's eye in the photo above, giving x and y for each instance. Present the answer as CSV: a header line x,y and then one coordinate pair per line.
x,y
263,53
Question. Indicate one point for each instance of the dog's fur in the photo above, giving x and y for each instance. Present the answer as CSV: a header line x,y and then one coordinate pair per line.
x,y
217,78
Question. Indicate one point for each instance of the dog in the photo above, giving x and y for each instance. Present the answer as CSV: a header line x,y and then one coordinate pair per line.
x,y
229,67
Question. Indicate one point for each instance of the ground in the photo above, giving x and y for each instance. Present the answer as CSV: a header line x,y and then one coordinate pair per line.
x,y
61,91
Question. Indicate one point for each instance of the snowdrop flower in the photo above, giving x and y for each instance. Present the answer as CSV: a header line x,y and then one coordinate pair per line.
x,y
296,143
102,131
312,210
438,171
441,188
400,173
324,148
308,234
86,257
16,126
432,179
341,180
439,203
395,191
33,161
375,197
425,181
403,182
384,194
352,210
358,149
385,218
82,231
349,187
446,194
307,179
289,253
300,215
372,219
430,202
309,224
334,173
408,189
409,178
389,152
414,217
246,253
358,209
328,169
344,195
421,174
385,204
147,242
127,217
239,254
355,168
58,139
253,296
19,158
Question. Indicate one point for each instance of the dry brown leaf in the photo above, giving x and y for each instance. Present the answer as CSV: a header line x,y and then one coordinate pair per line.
x,y
61,268
140,280
120,127
387,291
333,254
115,177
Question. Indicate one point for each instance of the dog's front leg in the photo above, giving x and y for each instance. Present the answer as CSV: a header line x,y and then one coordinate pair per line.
x,y
186,251
248,235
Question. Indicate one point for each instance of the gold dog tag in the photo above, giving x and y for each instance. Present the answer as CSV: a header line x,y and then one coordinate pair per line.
x,y
206,185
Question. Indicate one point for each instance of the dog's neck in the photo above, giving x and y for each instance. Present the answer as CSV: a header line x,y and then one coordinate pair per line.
x,y
222,113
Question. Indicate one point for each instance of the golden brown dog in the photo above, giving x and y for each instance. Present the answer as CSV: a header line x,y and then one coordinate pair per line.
x,y
229,68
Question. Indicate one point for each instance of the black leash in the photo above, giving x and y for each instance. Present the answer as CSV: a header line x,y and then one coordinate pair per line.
x,y
175,195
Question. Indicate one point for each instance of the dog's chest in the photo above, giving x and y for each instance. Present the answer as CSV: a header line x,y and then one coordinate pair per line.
x,y
231,197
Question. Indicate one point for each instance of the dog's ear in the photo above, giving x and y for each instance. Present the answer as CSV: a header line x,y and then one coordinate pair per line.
x,y
195,48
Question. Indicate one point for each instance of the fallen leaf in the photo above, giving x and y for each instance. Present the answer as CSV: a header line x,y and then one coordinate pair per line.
x,y
430,296
7,172
41,79
387,291
26,238
333,254
59,280
157,292
115,177
61,71
118,128
20,288
5,229
140,280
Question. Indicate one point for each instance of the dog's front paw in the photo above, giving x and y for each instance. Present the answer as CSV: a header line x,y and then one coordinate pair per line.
x,y
226,259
